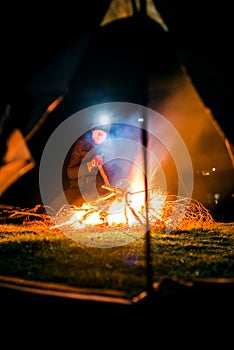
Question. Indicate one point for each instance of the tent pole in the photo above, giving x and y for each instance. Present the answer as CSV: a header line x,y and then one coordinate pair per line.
x,y
144,98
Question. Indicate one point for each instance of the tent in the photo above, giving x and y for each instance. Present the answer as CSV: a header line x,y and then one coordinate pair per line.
x,y
130,58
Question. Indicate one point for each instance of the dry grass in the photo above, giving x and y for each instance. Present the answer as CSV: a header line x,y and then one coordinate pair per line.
x,y
37,251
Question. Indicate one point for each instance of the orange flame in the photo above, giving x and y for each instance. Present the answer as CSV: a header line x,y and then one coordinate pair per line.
x,y
127,207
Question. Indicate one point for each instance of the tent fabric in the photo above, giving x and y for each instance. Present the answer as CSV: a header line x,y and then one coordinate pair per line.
x,y
123,61
17,160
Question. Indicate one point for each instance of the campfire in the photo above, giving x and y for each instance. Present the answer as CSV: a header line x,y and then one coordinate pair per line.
x,y
124,214
120,207
119,217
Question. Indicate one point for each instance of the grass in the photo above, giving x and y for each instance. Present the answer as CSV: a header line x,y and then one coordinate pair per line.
x,y
35,251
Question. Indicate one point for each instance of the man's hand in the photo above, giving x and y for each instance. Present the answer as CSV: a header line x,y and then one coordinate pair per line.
x,y
97,161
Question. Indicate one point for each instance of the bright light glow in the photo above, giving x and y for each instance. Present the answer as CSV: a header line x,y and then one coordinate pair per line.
x,y
127,207
104,119
120,212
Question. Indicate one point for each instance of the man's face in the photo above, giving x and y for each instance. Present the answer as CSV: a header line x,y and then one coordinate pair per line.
x,y
99,136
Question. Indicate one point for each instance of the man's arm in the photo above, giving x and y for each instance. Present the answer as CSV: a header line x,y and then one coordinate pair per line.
x,y
78,162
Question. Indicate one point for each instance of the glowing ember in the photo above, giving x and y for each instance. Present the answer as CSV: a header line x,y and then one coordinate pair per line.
x,y
115,209
119,217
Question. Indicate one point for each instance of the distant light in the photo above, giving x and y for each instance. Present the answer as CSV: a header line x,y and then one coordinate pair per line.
x,y
205,172
140,120
216,198
208,172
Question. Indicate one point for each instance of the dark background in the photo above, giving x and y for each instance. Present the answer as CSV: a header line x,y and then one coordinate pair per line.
x,y
34,34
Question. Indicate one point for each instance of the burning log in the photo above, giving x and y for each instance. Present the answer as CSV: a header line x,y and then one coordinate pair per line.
x,y
115,208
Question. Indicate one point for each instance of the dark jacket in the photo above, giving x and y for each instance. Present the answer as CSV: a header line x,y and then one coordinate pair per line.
x,y
79,177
